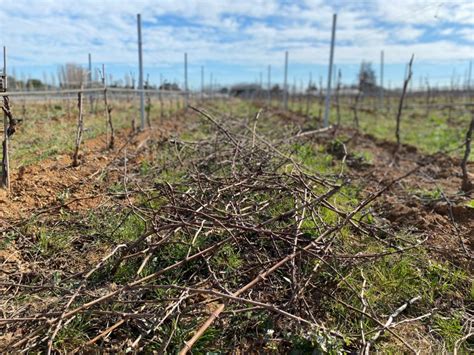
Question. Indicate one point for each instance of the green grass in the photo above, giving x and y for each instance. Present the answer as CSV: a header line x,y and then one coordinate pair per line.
x,y
470,204
72,334
228,259
449,329
429,195
48,130
431,132
392,280
50,242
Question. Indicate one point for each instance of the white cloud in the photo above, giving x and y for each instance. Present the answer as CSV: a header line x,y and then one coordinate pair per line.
x,y
466,33
425,12
247,33
447,31
408,33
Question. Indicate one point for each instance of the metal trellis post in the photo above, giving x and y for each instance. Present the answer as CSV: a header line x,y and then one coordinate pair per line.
x,y
140,77
331,59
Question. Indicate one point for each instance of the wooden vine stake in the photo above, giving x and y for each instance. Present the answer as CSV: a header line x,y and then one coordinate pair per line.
x,y
162,112
467,185
338,91
402,99
108,115
355,107
9,130
5,178
148,102
129,99
80,128
308,98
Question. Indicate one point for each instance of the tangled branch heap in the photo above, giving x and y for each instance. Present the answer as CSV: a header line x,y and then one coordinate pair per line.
x,y
244,237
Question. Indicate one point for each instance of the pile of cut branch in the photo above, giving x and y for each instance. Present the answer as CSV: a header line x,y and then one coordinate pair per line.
x,y
246,241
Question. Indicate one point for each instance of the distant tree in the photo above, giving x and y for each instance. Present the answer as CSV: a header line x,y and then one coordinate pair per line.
x,y
367,78
276,89
13,83
116,84
34,84
244,89
170,86
128,81
72,75
148,86
312,89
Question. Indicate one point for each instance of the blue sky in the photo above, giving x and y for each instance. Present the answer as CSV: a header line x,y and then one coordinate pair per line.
x,y
237,40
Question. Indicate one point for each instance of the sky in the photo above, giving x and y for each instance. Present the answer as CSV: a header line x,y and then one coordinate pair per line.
x,y
236,40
